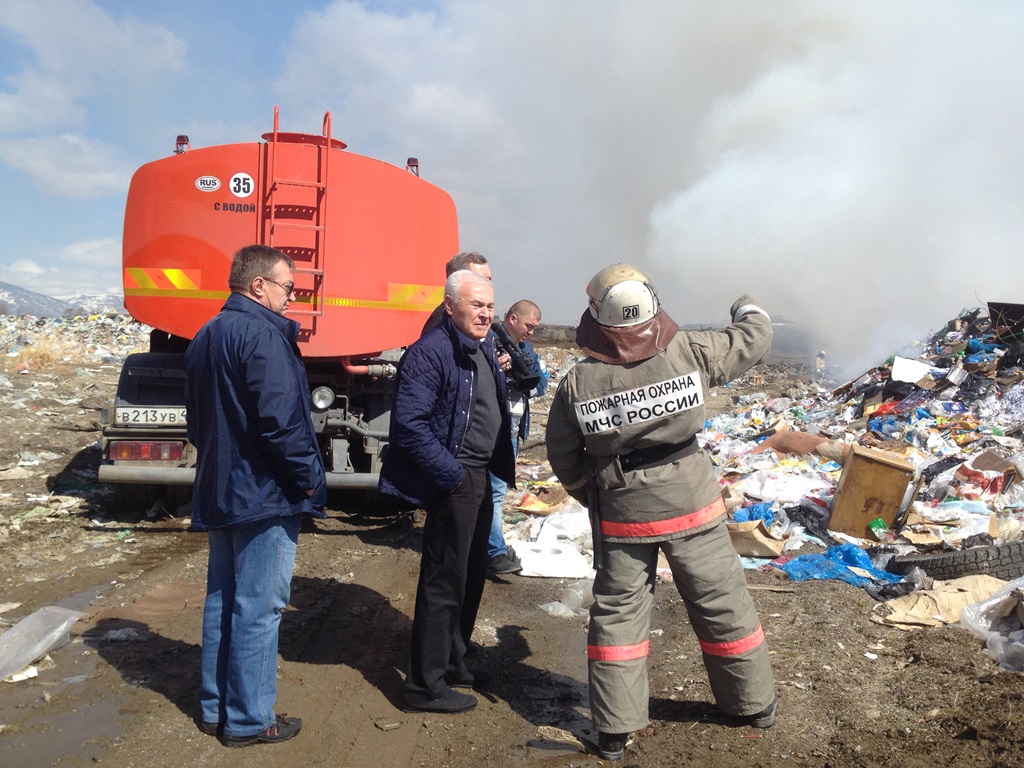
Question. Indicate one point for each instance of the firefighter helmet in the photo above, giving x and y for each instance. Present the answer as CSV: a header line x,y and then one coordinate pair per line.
x,y
622,295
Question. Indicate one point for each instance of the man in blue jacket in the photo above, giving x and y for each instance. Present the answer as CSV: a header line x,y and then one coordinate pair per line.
x,y
449,428
258,469
523,382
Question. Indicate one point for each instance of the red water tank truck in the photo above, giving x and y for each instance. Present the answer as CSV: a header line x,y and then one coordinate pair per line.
x,y
369,241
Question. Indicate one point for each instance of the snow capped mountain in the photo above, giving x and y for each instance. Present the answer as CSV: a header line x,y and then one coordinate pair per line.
x,y
96,303
15,300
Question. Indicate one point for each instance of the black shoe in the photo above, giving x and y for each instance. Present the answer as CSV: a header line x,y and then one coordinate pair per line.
x,y
448,703
210,729
500,564
766,717
513,556
282,729
469,680
611,746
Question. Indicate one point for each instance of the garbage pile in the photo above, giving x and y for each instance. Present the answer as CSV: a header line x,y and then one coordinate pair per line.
x,y
918,456
36,343
909,473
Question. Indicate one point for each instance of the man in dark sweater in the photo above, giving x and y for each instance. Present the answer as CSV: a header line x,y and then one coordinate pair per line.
x,y
450,427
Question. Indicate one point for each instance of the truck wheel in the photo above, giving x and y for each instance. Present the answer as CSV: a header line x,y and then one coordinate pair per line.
x,y
134,500
367,503
1003,561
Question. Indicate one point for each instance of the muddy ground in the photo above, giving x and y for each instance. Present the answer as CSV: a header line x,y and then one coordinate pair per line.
x,y
853,693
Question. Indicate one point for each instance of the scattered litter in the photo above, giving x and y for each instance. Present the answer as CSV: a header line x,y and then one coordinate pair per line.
x,y
999,621
557,559
560,735
578,595
26,674
35,636
126,635
938,606
558,609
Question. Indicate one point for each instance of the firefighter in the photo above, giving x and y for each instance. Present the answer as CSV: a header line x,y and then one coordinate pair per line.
x,y
621,437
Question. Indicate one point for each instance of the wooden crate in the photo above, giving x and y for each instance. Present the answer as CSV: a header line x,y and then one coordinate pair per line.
x,y
873,484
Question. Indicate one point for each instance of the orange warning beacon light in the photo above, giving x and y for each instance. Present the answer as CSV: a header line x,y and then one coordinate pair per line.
x,y
369,239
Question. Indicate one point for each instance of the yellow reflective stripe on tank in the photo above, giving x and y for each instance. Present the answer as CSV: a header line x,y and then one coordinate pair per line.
x,y
175,293
140,277
405,297
158,279
180,280
332,301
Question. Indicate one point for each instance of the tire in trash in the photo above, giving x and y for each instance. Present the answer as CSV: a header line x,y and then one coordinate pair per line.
x,y
1004,561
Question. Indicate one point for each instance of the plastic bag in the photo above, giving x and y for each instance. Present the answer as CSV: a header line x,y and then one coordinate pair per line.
x,y
763,511
833,565
35,636
993,620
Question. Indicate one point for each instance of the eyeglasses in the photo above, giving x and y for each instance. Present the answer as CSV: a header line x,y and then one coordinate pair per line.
x,y
289,288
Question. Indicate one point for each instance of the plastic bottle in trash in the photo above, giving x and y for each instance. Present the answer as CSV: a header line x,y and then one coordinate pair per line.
x,y
578,595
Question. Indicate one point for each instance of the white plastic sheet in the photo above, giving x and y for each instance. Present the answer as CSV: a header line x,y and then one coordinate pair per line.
x,y
34,637
996,622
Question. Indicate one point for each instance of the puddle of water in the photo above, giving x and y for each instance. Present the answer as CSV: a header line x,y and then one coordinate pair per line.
x,y
56,716
83,599
74,710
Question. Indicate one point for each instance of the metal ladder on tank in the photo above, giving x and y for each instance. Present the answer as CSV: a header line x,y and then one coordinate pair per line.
x,y
276,227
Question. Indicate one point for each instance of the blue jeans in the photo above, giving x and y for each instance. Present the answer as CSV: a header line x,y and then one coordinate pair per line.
x,y
248,584
496,541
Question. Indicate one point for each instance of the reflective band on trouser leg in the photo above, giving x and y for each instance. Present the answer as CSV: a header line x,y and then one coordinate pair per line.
x,y
618,652
665,527
618,639
735,647
711,581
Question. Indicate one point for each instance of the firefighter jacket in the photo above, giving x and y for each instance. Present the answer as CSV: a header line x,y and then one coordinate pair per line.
x,y
623,436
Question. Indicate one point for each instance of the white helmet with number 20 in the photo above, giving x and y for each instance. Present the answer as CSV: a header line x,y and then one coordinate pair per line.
x,y
622,295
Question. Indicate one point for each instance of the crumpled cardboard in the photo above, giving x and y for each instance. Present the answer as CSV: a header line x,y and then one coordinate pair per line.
x,y
751,539
919,529
940,605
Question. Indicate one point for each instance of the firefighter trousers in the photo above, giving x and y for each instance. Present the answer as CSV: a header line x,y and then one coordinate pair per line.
x,y
710,579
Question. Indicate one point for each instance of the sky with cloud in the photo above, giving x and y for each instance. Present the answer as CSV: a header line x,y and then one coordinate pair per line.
x,y
857,166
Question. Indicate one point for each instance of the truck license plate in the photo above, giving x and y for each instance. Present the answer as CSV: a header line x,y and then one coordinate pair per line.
x,y
152,416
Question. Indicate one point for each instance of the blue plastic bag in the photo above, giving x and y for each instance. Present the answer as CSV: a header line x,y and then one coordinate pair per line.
x,y
762,511
833,565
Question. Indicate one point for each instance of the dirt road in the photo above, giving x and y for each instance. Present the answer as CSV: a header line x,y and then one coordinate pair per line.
x,y
123,693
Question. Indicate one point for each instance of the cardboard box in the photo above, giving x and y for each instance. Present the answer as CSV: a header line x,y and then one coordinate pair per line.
x,y
873,484
750,539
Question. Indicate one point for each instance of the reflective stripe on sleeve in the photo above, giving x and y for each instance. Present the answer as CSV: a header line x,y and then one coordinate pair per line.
x,y
618,652
661,527
735,647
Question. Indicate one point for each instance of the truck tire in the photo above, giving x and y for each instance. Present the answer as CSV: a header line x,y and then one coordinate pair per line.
x,y
133,500
1003,561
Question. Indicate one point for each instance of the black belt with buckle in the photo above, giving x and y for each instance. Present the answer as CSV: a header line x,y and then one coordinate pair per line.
x,y
656,455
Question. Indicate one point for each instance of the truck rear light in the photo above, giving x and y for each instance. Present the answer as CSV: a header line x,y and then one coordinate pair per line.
x,y
138,450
